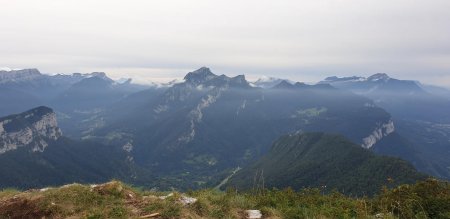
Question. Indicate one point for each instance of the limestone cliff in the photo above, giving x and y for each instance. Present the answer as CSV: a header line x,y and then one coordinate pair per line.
x,y
33,129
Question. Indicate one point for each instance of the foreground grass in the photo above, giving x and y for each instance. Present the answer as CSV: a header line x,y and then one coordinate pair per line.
x,y
427,199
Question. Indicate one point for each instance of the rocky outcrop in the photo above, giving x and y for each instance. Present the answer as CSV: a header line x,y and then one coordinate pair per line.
x,y
34,129
196,114
381,131
199,76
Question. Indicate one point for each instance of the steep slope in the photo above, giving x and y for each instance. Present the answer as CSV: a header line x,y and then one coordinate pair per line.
x,y
327,161
34,154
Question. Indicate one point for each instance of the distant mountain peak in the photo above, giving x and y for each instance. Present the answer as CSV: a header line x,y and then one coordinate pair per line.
x,y
200,75
18,71
239,79
19,75
124,81
206,78
378,77
266,79
284,84
268,82
374,84
98,74
203,69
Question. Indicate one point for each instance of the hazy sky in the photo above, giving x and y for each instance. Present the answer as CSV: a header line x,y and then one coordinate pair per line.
x,y
163,39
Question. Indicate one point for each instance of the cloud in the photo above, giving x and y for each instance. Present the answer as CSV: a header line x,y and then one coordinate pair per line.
x,y
304,40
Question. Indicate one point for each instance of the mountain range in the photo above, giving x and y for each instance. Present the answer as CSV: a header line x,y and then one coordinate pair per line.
x,y
74,97
197,132
213,123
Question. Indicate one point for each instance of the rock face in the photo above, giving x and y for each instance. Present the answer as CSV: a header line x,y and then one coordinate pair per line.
x,y
33,128
377,134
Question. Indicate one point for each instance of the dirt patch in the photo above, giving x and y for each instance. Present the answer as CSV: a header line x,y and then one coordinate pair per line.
x,y
17,207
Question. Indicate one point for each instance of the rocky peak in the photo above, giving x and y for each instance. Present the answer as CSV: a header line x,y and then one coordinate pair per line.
x,y
33,128
283,85
205,78
101,75
199,76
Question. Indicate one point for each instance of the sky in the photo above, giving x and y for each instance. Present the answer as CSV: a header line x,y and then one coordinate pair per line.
x,y
159,40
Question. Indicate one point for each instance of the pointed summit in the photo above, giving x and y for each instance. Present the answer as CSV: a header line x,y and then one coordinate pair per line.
x,y
199,76
283,85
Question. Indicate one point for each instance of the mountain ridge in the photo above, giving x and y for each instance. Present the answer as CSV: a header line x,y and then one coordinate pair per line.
x,y
324,160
